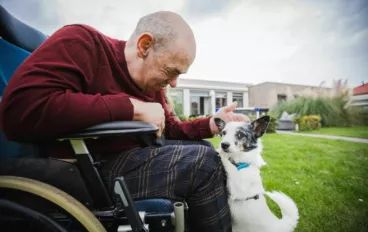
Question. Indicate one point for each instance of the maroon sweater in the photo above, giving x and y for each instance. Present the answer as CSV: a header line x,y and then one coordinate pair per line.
x,y
78,78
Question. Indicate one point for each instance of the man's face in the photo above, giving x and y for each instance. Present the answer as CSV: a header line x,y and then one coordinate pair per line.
x,y
163,67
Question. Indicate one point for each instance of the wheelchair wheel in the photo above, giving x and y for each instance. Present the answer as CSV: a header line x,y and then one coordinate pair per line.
x,y
50,195
16,217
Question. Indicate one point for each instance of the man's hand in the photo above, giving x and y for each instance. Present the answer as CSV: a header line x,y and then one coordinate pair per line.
x,y
150,112
227,115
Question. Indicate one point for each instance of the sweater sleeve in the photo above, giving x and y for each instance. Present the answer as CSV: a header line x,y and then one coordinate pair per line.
x,y
45,98
188,130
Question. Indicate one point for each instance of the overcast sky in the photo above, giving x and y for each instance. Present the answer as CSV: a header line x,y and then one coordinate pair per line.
x,y
300,42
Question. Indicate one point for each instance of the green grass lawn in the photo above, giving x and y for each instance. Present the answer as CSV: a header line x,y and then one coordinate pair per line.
x,y
357,132
326,179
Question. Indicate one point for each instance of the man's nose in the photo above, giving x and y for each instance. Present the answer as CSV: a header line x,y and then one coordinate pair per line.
x,y
225,145
172,82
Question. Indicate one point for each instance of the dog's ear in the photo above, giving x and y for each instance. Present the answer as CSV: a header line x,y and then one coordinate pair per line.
x,y
220,123
260,125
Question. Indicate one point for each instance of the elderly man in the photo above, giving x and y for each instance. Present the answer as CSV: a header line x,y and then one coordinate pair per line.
x,y
79,77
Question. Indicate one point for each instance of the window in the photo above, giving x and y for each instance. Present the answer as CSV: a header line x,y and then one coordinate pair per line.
x,y
281,98
200,102
221,99
194,105
239,98
176,96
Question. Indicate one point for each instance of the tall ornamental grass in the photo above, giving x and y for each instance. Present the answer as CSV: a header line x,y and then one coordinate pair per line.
x,y
334,111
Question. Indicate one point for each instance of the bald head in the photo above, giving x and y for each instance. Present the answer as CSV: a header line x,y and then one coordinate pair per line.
x,y
167,29
161,48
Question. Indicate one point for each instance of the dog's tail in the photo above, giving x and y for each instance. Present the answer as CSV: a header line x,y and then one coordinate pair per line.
x,y
289,210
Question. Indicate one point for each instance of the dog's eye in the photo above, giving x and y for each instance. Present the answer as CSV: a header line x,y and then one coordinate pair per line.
x,y
224,133
241,135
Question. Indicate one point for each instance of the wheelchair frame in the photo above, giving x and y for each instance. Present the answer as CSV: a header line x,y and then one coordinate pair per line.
x,y
122,216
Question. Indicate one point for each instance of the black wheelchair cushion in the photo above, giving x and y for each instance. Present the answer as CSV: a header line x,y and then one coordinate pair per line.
x,y
19,33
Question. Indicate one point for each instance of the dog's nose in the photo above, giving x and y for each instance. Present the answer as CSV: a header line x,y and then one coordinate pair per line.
x,y
225,145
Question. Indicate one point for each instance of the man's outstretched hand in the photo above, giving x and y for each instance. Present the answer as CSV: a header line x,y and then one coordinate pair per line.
x,y
227,115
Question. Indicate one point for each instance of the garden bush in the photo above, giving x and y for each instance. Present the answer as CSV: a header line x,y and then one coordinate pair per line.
x,y
308,122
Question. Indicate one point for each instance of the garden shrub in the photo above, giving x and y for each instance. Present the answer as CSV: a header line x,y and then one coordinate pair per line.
x,y
308,122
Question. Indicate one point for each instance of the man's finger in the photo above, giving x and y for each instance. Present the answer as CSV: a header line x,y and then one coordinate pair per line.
x,y
231,107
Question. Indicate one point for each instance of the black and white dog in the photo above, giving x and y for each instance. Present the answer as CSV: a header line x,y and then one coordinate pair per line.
x,y
240,156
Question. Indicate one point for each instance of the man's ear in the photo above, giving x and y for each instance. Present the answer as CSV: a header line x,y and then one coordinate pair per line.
x,y
220,123
260,125
144,43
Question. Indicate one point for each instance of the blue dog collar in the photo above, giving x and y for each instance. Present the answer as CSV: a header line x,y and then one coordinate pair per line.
x,y
242,165
239,165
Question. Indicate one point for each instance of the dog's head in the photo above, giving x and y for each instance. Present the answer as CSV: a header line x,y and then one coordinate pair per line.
x,y
241,136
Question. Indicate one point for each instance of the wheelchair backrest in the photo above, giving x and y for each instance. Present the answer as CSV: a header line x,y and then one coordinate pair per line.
x,y
17,41
19,33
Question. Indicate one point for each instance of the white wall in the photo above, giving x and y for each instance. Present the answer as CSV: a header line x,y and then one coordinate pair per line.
x,y
245,99
359,100
186,102
213,101
229,97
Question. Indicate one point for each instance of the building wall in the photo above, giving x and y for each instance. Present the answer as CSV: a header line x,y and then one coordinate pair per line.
x,y
268,94
259,95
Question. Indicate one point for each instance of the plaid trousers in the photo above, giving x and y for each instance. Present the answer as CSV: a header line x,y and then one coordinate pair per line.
x,y
179,170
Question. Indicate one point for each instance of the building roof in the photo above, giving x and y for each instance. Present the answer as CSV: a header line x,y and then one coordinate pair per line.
x,y
291,84
362,89
192,83
195,83
186,79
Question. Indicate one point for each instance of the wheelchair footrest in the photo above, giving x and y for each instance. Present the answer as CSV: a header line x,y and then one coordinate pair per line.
x,y
122,192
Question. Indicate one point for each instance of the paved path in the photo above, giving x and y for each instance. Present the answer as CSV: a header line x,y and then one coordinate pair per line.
x,y
358,140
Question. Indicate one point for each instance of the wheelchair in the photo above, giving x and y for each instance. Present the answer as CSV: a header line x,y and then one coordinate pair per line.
x,y
46,194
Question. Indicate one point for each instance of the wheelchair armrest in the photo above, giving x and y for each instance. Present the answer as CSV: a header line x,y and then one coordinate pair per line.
x,y
113,129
